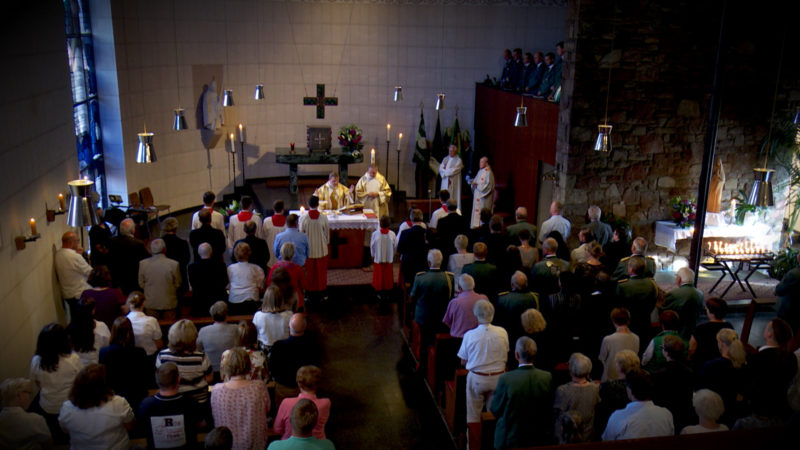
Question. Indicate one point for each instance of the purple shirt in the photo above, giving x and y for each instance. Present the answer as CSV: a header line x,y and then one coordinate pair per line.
x,y
459,316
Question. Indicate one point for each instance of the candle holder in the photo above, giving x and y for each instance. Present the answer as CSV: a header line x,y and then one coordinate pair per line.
x,y
20,241
52,213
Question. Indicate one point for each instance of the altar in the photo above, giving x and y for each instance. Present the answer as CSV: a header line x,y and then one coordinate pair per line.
x,y
306,156
349,235
668,234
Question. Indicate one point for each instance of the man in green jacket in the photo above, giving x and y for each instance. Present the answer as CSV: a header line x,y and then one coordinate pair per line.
x,y
523,402
686,300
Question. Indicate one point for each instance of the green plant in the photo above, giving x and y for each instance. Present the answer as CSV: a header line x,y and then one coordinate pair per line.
x,y
742,208
784,262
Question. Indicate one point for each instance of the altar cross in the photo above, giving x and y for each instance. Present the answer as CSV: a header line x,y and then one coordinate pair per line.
x,y
320,101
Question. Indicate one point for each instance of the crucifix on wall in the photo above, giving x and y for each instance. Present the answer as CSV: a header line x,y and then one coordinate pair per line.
x,y
320,101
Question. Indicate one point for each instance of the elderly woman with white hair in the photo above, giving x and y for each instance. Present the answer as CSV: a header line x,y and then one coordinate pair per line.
x,y
461,257
709,408
246,282
578,399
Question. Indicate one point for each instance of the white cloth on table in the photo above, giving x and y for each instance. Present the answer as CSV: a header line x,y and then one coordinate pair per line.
x,y
73,272
245,281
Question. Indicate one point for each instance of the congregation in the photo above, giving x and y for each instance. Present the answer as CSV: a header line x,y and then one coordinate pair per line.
x,y
486,284
537,74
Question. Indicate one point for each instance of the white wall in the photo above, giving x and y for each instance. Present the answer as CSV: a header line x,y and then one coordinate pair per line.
x,y
384,43
37,158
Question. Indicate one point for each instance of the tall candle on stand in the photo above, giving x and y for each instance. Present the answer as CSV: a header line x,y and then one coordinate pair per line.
x,y
372,156
61,204
241,133
233,144
388,131
399,141
33,227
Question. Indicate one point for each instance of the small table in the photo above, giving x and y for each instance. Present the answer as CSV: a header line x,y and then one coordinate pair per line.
x,y
727,263
667,233
305,156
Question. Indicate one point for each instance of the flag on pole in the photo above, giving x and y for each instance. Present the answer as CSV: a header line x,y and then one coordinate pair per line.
x,y
421,152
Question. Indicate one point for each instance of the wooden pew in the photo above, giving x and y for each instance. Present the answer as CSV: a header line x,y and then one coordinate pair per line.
x,y
442,363
456,403
762,438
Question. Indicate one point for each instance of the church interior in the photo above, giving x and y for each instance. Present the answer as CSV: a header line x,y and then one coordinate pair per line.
x,y
686,85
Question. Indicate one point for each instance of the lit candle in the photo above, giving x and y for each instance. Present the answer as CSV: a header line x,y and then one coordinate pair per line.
x,y
302,210
241,133
61,204
233,144
33,227
388,131
399,140
372,156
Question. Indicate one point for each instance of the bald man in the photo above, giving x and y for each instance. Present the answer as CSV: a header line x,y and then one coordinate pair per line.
x,y
290,354
72,269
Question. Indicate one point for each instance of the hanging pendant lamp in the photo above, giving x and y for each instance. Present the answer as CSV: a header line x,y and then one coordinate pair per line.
x,y
761,192
81,212
180,120
227,97
259,94
145,154
603,141
439,101
398,94
522,117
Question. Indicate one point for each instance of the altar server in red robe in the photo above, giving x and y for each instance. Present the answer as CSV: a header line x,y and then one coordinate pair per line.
x,y
315,225
383,244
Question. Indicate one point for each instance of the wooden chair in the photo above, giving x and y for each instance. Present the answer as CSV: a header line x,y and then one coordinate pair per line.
x,y
442,363
146,196
133,200
456,403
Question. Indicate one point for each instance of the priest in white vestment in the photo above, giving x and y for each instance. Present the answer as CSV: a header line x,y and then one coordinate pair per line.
x,y
374,192
333,195
315,225
450,171
482,191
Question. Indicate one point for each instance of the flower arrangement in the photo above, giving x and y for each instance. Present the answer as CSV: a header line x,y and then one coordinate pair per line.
x,y
231,209
684,212
350,137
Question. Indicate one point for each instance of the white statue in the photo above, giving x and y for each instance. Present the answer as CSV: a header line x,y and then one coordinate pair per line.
x,y
212,107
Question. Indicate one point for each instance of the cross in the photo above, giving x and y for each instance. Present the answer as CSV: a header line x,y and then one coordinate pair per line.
x,y
320,101
319,140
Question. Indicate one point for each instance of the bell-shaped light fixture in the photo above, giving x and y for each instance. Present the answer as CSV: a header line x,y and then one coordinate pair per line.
x,y
144,152
259,94
439,101
180,120
603,142
227,97
398,94
81,211
761,192
522,117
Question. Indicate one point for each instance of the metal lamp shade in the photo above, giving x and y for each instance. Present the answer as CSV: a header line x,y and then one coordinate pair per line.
x,y
761,192
603,142
227,97
180,120
398,94
81,212
259,94
522,117
144,152
439,102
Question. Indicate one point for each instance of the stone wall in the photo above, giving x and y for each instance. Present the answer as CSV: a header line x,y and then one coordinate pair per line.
x,y
662,57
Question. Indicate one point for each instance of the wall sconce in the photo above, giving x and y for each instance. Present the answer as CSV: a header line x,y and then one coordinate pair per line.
x,y
20,241
51,214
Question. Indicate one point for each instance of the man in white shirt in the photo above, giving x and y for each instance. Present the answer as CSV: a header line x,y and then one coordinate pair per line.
x,y
641,418
217,221
160,278
556,222
72,270
450,171
483,352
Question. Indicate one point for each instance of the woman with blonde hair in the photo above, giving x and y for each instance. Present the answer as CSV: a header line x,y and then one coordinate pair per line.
x,y
239,403
725,374
272,321
247,338
193,366
535,327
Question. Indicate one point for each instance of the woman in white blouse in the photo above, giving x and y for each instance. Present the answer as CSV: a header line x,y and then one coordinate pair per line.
x,y
272,321
146,331
246,281
53,368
